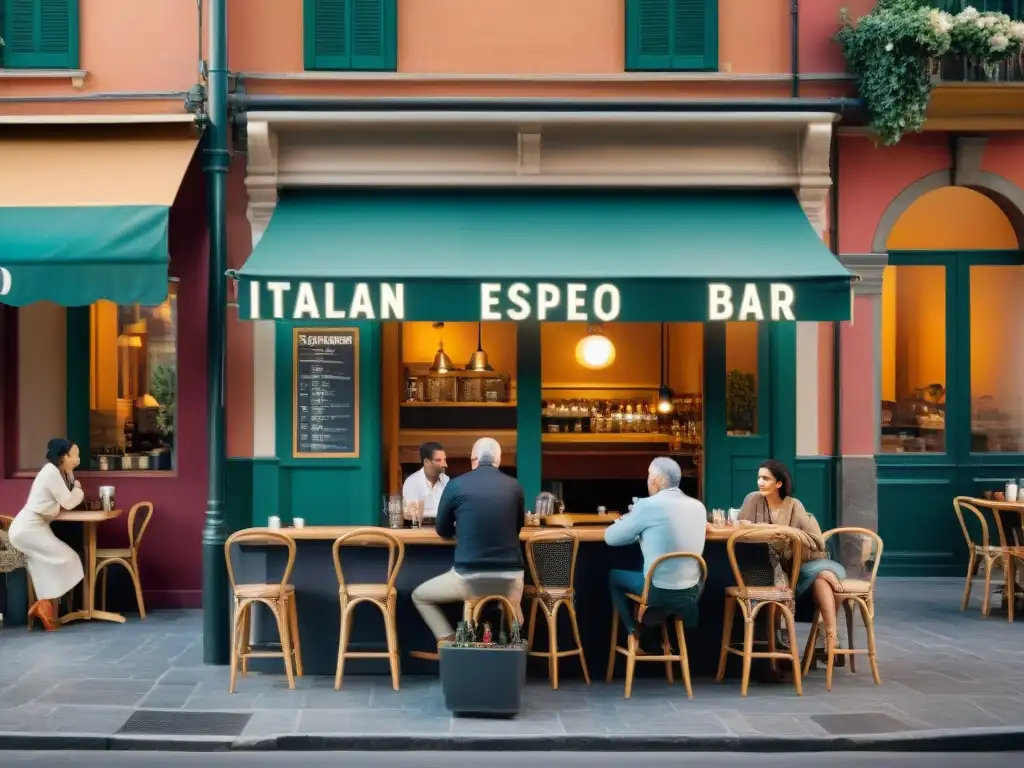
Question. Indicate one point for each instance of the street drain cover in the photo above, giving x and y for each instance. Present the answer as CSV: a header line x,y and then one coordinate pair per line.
x,y
155,722
860,723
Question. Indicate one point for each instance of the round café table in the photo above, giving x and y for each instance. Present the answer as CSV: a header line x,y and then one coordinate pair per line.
x,y
90,520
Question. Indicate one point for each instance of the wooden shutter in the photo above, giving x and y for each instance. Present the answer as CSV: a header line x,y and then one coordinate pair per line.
x,y
40,34
350,34
666,35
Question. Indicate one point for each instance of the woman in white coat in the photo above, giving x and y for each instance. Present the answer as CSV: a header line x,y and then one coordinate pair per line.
x,y
53,566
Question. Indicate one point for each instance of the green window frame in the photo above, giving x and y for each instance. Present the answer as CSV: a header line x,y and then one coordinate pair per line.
x,y
39,34
672,35
350,35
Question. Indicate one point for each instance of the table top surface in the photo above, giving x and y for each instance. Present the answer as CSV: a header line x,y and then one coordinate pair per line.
x,y
1006,506
428,536
87,515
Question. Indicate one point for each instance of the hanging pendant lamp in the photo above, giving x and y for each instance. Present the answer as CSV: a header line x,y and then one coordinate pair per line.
x,y
595,350
665,394
478,360
442,362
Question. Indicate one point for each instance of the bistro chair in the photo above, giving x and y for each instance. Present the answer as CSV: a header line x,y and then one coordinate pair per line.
x,y
67,600
128,558
752,599
632,650
860,552
382,595
1009,544
551,558
279,599
981,550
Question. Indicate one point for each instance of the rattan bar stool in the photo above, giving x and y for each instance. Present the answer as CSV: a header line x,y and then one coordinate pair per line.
x,y
632,648
382,595
751,599
551,558
127,558
279,598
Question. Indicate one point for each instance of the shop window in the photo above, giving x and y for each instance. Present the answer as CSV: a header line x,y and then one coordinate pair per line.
x,y
133,377
997,369
914,359
353,35
741,406
39,34
671,35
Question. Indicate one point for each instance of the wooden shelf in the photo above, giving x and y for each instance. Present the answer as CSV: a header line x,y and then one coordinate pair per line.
x,y
605,437
425,404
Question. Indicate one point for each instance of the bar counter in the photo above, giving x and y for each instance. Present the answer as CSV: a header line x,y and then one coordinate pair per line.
x,y
428,555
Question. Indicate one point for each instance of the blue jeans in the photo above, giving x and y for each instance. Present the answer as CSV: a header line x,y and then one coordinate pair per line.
x,y
682,602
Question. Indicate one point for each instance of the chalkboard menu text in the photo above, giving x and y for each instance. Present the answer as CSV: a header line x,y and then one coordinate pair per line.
x,y
326,393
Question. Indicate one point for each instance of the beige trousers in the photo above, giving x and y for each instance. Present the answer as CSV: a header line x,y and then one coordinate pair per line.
x,y
452,587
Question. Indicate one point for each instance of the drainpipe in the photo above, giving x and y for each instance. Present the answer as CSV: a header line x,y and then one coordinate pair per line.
x,y
216,614
837,340
794,42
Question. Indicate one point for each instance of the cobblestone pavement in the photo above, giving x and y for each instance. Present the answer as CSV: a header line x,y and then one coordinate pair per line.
x,y
942,671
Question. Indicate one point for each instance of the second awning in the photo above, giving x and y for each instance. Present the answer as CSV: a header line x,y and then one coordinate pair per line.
x,y
85,208
542,255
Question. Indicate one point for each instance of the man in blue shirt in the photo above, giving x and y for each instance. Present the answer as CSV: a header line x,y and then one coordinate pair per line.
x,y
667,521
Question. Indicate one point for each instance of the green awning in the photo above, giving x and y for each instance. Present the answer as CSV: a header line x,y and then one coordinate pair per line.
x,y
76,256
85,210
559,255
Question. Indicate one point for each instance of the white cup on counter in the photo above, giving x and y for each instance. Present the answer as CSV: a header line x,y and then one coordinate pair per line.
x,y
298,522
273,522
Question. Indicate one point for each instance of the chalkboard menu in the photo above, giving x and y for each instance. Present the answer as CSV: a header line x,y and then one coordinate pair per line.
x,y
326,393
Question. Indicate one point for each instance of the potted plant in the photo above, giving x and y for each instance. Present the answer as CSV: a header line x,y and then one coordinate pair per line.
x,y
483,674
740,402
163,387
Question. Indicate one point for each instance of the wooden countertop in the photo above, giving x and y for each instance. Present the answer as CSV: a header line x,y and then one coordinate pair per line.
x,y
428,536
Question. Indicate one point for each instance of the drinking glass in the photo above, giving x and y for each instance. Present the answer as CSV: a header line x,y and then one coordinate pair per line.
x,y
414,511
717,518
393,511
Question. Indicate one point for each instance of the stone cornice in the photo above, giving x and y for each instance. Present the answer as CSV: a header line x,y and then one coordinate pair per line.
x,y
765,150
869,267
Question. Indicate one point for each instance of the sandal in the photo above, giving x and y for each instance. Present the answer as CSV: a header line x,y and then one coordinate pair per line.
x,y
45,616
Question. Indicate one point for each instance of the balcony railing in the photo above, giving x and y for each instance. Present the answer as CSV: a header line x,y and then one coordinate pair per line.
x,y
959,69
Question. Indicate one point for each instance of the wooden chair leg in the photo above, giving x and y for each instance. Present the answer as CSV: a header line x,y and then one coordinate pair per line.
x,y
293,630
666,650
1010,590
971,565
579,641
137,582
790,620
103,588
987,599
684,658
552,617
631,650
286,641
771,613
343,635
748,648
727,622
391,628
848,610
611,647
245,641
869,629
236,634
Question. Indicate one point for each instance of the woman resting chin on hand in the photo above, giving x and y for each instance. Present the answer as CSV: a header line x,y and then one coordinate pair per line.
x,y
53,566
773,503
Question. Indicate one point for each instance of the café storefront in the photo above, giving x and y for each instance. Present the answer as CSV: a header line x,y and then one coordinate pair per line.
x,y
381,279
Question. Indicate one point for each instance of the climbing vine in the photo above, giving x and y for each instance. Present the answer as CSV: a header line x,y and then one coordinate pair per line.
x,y
892,52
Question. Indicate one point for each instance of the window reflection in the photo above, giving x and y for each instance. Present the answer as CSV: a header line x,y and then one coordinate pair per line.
x,y
997,412
914,359
741,378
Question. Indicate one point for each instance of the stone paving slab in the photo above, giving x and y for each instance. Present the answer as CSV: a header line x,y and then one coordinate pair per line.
x,y
951,680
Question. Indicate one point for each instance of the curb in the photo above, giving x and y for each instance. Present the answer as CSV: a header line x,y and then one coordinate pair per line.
x,y
971,740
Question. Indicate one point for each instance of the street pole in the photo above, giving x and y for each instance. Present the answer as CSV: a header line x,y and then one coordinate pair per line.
x,y
216,615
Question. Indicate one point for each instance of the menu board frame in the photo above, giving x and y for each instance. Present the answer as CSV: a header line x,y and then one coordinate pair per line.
x,y
323,331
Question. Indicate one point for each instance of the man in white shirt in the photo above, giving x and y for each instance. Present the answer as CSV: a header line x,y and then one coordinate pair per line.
x,y
667,521
427,483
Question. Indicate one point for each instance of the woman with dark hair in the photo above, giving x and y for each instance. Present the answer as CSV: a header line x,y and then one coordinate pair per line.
x,y
773,503
53,566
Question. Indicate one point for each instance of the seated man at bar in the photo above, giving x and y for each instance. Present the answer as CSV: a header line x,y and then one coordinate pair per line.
x,y
484,511
666,521
425,485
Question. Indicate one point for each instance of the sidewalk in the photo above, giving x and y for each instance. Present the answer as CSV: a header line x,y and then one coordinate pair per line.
x,y
951,681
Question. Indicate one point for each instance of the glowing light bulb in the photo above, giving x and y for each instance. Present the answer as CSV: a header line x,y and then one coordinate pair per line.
x,y
595,351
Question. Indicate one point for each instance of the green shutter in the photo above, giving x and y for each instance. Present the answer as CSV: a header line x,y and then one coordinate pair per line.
x,y
667,35
40,34
350,35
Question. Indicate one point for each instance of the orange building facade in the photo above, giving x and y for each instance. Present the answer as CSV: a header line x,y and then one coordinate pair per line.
x,y
499,94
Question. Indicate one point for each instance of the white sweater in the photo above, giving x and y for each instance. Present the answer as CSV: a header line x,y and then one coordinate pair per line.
x,y
50,494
